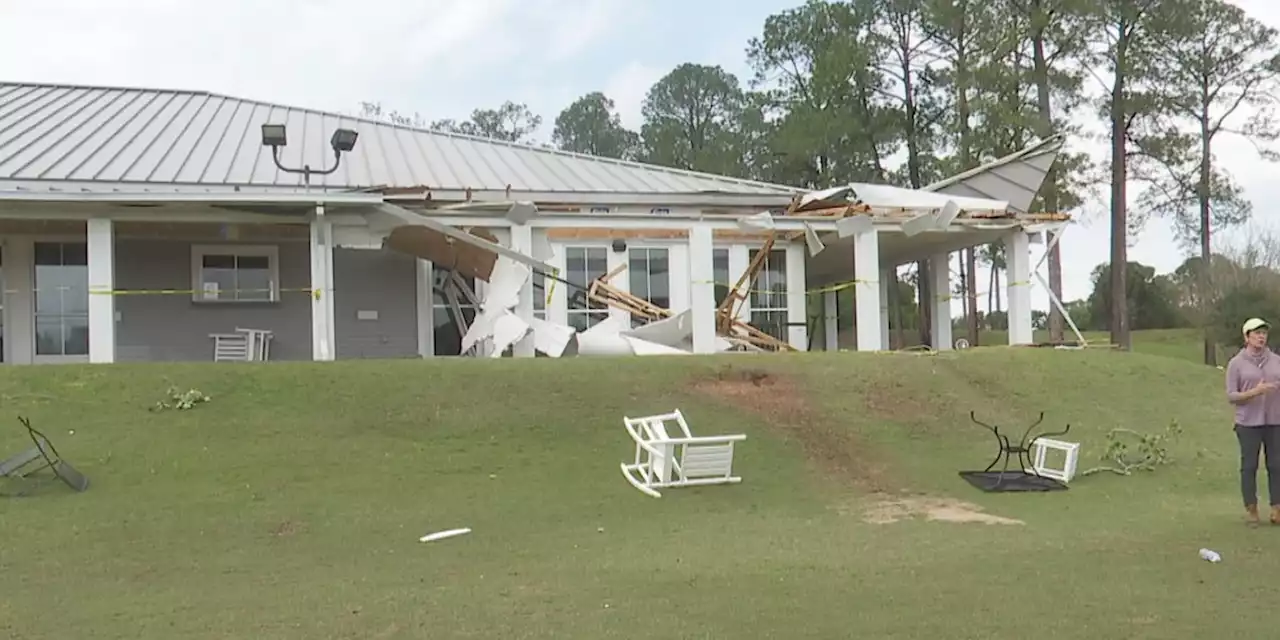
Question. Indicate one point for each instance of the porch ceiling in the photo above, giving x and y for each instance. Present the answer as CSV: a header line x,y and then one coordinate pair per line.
x,y
835,263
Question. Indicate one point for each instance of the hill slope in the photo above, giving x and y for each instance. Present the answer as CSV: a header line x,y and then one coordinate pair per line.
x,y
290,505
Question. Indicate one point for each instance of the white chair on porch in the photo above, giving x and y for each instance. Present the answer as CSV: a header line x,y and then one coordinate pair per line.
x,y
684,460
245,345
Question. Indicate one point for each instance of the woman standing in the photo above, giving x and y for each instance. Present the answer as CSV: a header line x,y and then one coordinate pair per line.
x,y
1252,376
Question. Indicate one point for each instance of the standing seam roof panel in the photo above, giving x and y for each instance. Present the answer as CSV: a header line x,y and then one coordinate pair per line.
x,y
148,136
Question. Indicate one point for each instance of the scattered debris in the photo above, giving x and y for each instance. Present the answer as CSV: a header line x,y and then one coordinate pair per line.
x,y
180,400
441,535
1152,451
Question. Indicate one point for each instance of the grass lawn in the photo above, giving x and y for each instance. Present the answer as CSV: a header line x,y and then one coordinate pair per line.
x,y
290,506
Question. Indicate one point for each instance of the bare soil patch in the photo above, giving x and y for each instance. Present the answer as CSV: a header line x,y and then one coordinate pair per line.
x,y
888,510
286,529
783,404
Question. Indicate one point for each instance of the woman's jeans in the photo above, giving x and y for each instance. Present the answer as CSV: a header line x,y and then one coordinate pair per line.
x,y
1252,441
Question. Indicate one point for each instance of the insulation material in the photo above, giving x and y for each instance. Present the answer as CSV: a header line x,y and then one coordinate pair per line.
x,y
604,339
549,337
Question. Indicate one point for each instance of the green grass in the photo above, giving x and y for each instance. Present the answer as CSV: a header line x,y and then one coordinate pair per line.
x,y
290,506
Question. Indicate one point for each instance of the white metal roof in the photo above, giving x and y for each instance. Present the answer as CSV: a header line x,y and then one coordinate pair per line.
x,y
86,138
1015,178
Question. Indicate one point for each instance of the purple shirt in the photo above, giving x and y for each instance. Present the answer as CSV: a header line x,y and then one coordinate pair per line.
x,y
1244,372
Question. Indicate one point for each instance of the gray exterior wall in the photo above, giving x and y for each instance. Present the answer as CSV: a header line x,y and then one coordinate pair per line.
x,y
369,282
173,327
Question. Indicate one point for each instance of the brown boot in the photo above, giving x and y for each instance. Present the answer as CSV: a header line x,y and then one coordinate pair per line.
x,y
1251,515
1275,514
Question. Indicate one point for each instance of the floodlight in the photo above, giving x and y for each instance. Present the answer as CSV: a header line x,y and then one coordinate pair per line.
x,y
273,135
343,140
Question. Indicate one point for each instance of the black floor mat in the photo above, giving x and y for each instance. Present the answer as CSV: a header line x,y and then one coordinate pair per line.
x,y
1011,481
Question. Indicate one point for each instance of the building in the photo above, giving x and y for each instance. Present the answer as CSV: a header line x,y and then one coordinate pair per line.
x,y
136,223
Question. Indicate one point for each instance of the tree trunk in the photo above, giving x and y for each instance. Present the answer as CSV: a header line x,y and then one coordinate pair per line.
x,y
1119,207
1050,194
1206,273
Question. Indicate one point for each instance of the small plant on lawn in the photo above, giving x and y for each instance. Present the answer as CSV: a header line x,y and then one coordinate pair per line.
x,y
1150,450
181,400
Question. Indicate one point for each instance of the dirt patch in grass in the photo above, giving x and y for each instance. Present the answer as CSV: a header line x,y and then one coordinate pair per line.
x,y
286,528
886,509
783,404
900,402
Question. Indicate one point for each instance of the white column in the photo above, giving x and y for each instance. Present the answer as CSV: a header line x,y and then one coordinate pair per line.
x,y
797,298
1018,258
322,337
888,278
830,321
522,241
866,271
940,285
702,289
102,281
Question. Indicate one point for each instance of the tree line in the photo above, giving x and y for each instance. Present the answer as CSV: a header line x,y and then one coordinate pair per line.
x,y
910,91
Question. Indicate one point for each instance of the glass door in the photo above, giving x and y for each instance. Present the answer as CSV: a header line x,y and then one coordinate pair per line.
x,y
62,301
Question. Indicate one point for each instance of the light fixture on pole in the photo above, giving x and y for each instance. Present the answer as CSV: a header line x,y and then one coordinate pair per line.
x,y
274,136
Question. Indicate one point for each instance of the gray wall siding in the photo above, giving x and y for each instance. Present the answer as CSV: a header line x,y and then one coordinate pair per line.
x,y
173,327
375,281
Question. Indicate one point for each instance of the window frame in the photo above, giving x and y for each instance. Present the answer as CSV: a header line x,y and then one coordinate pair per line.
x,y
758,287
200,252
648,250
604,310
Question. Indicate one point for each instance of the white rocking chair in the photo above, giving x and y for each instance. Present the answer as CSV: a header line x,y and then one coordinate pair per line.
x,y
245,345
663,461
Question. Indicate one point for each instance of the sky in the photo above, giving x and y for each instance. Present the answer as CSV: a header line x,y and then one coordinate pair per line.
x,y
443,58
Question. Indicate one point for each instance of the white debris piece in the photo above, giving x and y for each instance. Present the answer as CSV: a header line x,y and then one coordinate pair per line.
x,y
441,535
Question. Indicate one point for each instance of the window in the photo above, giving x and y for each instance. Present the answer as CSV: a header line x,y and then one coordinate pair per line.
x,y
62,298
447,332
650,278
541,289
720,271
769,295
235,274
582,266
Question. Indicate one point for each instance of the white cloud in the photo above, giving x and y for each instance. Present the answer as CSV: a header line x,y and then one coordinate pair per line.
x,y
628,86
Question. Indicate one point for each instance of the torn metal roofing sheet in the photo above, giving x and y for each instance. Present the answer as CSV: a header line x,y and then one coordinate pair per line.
x,y
1015,178
151,138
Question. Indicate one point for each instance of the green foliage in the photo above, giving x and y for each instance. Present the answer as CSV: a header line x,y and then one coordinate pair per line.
x,y
1150,299
591,125
180,400
1142,452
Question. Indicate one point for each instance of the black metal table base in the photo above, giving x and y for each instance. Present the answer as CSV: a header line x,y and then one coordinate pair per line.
x,y
1023,477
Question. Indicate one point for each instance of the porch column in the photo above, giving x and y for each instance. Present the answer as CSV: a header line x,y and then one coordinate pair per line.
x,y
1018,258
867,292
702,289
797,298
830,321
522,241
102,282
322,337
940,285
888,277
